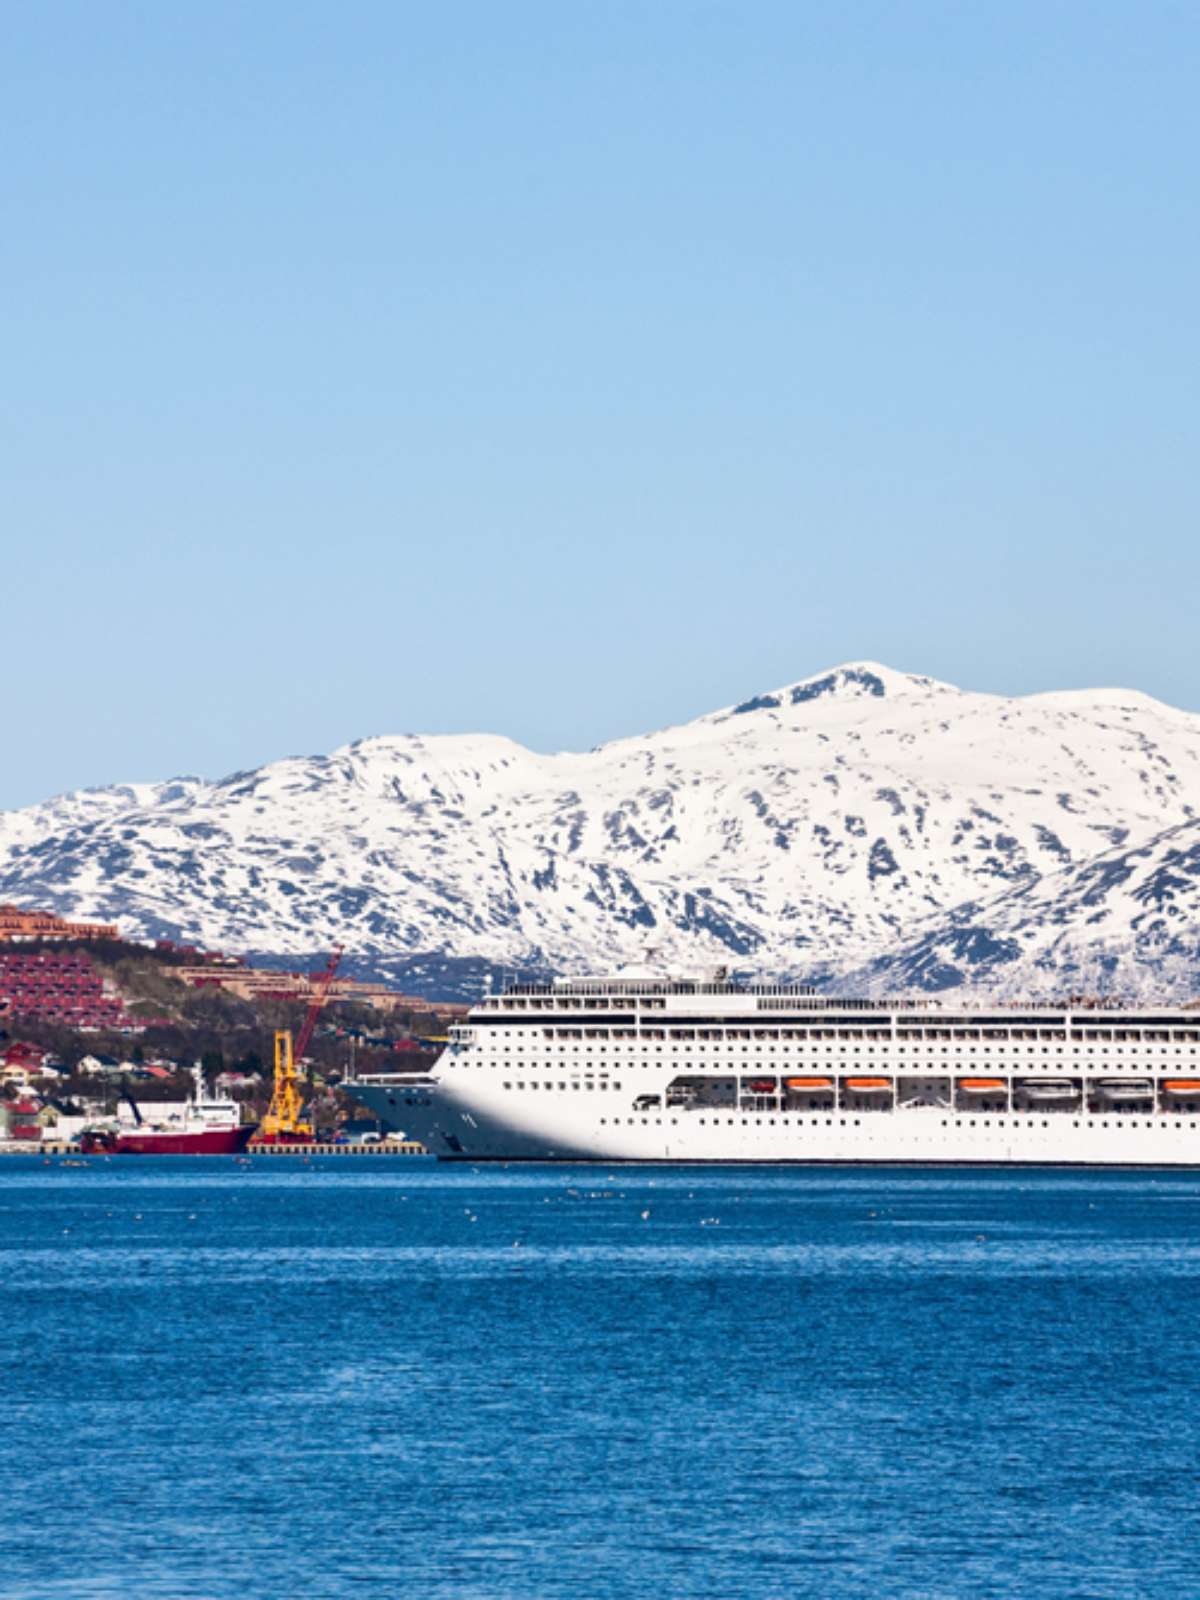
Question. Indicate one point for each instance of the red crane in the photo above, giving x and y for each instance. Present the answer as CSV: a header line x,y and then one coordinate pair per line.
x,y
320,995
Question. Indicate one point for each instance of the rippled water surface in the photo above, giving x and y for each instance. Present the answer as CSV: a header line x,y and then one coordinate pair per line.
x,y
383,1377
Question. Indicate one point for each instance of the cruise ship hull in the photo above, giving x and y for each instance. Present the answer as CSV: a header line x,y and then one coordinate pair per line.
x,y
457,1126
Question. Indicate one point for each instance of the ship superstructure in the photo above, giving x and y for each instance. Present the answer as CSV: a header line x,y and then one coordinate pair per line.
x,y
638,1067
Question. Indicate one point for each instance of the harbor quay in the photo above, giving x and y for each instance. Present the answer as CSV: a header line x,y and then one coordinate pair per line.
x,y
385,1147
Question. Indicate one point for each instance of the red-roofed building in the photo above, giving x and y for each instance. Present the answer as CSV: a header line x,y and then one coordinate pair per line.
x,y
62,987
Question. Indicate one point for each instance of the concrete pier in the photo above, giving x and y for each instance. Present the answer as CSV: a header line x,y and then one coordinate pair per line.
x,y
30,1147
393,1147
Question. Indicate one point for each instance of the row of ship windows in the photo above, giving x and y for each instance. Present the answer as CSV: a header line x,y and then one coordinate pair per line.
x,y
1184,1035
622,1002
533,1084
958,1122
1162,1036
929,1051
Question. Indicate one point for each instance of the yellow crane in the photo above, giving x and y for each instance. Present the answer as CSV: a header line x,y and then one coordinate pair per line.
x,y
284,1122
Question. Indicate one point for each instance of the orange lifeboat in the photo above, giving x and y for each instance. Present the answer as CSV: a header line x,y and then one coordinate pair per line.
x,y
808,1085
983,1085
1186,1086
868,1085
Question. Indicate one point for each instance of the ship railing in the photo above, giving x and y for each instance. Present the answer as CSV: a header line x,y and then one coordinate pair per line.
x,y
388,1080
636,986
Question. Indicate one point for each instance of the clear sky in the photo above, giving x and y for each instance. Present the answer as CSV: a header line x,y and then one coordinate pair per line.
x,y
568,370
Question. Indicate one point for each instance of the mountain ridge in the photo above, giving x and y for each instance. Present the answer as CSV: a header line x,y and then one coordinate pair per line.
x,y
830,829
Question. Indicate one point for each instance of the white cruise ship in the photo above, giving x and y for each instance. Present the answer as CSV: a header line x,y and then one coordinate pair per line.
x,y
640,1067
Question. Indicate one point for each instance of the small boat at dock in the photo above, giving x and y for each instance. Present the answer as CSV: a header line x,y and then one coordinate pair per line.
x,y
201,1126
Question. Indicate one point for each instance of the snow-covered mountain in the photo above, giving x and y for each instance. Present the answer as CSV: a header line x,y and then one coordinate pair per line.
x,y
863,822
1127,920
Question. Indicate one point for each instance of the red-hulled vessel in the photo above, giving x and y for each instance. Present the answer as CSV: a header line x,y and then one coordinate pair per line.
x,y
202,1126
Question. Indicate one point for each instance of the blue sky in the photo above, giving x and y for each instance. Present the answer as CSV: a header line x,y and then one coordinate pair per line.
x,y
569,370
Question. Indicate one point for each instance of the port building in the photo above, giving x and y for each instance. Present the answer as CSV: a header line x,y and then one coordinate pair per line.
x,y
261,983
60,986
16,925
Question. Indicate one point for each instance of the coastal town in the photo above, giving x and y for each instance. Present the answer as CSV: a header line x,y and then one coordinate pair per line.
x,y
99,1029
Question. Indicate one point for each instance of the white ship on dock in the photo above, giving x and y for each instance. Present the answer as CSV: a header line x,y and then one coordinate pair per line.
x,y
639,1067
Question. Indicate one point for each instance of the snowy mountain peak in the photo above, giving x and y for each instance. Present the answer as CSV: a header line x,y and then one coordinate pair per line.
x,y
853,681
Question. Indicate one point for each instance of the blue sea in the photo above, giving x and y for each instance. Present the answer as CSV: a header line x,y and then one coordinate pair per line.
x,y
377,1376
